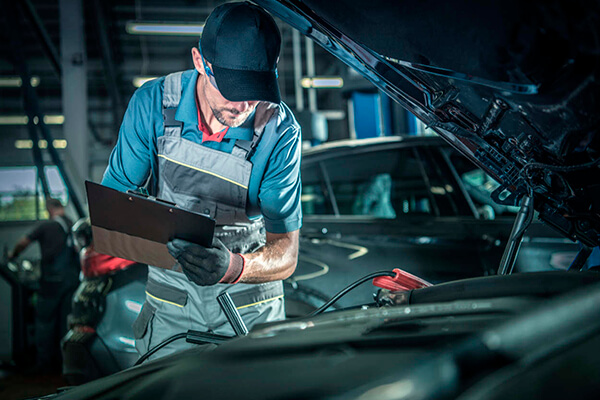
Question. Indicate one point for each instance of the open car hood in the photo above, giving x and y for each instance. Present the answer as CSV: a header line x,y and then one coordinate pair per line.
x,y
512,85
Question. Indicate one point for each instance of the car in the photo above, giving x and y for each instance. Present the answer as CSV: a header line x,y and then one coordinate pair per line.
x,y
444,212
109,298
409,202
480,348
512,86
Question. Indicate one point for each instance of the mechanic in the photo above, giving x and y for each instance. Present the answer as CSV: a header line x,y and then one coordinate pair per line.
x,y
217,140
59,279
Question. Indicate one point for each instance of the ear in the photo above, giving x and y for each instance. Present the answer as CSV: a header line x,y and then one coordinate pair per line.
x,y
197,59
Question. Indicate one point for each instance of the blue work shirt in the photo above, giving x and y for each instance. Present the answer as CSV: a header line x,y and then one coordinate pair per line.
x,y
274,189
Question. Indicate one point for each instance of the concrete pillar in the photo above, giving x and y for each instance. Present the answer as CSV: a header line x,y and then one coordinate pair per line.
x,y
74,91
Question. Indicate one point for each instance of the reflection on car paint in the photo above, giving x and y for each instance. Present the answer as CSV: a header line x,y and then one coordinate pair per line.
x,y
360,250
127,341
429,69
324,269
562,259
425,240
133,306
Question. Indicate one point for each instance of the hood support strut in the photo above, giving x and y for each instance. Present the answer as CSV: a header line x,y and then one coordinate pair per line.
x,y
521,223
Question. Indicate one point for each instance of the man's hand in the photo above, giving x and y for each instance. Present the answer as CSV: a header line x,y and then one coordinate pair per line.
x,y
21,245
207,266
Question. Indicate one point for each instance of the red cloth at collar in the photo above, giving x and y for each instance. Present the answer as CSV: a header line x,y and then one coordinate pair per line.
x,y
215,137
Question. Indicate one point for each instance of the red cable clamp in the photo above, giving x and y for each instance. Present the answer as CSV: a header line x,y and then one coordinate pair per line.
x,y
402,281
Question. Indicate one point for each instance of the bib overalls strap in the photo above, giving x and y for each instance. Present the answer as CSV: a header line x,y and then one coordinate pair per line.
x,y
215,183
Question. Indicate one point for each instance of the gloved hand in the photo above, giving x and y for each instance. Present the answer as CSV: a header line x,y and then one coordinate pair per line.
x,y
207,266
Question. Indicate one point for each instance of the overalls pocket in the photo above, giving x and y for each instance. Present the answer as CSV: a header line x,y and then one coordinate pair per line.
x,y
166,294
260,303
170,316
140,328
140,325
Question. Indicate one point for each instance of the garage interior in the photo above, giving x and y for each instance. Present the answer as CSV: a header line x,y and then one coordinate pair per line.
x,y
67,73
85,60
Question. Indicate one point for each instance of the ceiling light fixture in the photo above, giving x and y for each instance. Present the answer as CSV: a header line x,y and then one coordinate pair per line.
x,y
42,144
23,120
54,119
322,82
163,28
14,120
16,81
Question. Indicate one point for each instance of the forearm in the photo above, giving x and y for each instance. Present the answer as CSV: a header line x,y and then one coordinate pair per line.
x,y
275,261
19,247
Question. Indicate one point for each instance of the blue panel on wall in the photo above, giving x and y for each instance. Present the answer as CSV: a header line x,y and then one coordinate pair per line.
x,y
367,110
386,110
412,124
366,118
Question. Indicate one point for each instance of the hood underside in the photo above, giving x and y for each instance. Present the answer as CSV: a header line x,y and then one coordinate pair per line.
x,y
512,85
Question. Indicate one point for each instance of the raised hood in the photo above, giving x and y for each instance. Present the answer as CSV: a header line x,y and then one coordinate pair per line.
x,y
512,85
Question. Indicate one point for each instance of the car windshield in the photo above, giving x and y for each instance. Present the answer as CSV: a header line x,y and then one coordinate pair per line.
x,y
480,186
382,184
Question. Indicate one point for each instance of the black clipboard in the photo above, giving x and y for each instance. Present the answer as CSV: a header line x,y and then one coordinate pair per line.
x,y
137,227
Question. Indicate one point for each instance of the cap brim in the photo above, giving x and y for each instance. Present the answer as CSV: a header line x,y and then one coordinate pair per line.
x,y
239,85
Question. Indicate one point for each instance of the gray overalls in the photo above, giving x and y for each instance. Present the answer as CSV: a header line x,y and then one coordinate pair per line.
x,y
211,182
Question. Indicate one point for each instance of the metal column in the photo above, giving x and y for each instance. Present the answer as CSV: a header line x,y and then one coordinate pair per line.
x,y
310,71
297,46
74,88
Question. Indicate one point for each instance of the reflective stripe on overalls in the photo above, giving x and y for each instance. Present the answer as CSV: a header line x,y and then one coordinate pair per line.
x,y
211,182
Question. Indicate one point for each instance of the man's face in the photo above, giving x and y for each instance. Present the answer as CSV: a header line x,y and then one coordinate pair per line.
x,y
52,211
228,113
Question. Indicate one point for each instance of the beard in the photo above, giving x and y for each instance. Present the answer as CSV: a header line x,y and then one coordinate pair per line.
x,y
230,117
226,116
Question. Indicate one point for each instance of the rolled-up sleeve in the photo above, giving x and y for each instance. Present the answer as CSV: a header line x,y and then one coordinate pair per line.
x,y
280,190
129,164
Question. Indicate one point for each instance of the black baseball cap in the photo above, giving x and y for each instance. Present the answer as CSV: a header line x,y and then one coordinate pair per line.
x,y
242,43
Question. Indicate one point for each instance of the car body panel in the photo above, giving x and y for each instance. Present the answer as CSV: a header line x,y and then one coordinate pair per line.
x,y
441,348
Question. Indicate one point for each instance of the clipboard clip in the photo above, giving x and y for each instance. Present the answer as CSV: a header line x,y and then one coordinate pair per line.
x,y
148,197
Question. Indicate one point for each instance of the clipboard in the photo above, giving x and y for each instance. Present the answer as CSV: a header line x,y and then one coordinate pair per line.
x,y
137,227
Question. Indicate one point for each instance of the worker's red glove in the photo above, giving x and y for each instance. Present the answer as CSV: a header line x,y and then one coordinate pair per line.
x,y
207,266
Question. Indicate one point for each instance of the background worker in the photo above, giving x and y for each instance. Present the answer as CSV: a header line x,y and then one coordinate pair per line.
x,y
59,279
217,140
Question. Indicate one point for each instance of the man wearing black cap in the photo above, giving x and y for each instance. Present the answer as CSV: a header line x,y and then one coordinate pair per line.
x,y
219,141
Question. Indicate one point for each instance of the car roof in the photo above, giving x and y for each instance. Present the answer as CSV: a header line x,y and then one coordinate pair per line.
x,y
385,141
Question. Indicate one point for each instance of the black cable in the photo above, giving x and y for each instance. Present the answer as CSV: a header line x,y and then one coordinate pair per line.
x,y
191,336
319,310
160,346
554,168
348,288
567,168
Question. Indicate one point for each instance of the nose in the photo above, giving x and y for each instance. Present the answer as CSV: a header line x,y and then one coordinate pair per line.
x,y
240,106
